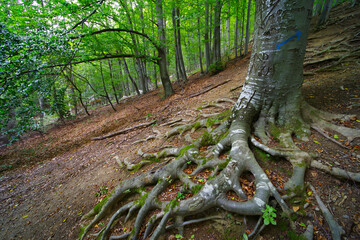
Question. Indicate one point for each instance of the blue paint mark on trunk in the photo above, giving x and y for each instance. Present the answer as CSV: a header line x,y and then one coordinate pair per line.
x,y
298,34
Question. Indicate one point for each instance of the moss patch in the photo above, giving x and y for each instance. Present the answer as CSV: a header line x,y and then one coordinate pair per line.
x,y
207,139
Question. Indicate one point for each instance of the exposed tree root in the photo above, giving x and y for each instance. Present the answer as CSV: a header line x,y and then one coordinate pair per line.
x,y
336,229
230,139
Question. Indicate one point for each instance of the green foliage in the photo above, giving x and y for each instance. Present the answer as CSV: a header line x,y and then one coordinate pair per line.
x,y
98,206
103,191
223,165
269,215
207,139
195,189
142,199
216,67
185,149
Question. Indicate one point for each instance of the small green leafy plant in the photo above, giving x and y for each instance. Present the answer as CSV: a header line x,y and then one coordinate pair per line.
x,y
103,191
179,237
180,195
269,215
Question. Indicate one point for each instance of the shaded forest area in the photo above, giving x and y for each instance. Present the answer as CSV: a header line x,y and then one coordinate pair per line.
x,y
50,180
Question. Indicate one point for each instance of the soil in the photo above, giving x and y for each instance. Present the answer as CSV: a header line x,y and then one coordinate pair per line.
x,y
48,181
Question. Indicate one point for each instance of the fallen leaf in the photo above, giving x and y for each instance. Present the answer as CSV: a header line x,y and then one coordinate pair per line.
x,y
65,220
25,216
296,208
336,136
317,142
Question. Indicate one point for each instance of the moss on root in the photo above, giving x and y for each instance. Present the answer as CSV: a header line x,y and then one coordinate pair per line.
x,y
207,139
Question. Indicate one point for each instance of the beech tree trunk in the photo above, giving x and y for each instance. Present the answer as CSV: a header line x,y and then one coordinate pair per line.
x,y
162,62
325,12
178,52
206,37
247,28
236,29
131,78
104,87
217,32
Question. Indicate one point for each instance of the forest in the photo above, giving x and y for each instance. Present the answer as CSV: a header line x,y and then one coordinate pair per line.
x,y
206,119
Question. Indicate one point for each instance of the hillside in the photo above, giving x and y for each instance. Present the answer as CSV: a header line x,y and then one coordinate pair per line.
x,y
49,181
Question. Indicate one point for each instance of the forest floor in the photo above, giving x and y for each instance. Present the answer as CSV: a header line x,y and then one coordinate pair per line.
x,y
47,182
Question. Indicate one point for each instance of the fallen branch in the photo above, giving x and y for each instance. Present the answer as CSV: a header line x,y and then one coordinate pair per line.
x,y
123,131
208,89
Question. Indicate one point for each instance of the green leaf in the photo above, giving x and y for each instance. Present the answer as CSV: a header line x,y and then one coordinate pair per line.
x,y
245,236
266,221
317,142
302,224
336,136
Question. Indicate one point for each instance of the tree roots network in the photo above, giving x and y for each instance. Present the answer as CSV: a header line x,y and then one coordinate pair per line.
x,y
205,172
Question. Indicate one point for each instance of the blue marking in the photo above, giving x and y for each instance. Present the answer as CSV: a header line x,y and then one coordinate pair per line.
x,y
298,34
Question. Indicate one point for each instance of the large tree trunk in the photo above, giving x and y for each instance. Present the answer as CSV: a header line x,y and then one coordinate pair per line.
x,y
164,75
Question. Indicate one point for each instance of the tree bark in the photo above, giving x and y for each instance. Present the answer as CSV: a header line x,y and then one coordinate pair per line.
x,y
178,52
199,43
162,62
236,42
217,32
104,87
325,12
247,28
131,78
242,27
112,81
206,37
228,28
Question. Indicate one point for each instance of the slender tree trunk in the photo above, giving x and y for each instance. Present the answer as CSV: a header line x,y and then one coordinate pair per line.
x,y
206,37
181,58
131,78
325,12
247,28
228,28
236,29
199,43
112,81
73,84
318,7
73,96
104,87
242,28
217,32
135,41
180,67
162,62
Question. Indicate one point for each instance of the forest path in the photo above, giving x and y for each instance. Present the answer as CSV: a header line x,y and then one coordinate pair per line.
x,y
56,178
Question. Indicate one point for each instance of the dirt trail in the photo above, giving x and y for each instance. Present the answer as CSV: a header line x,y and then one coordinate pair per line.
x,y
56,178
